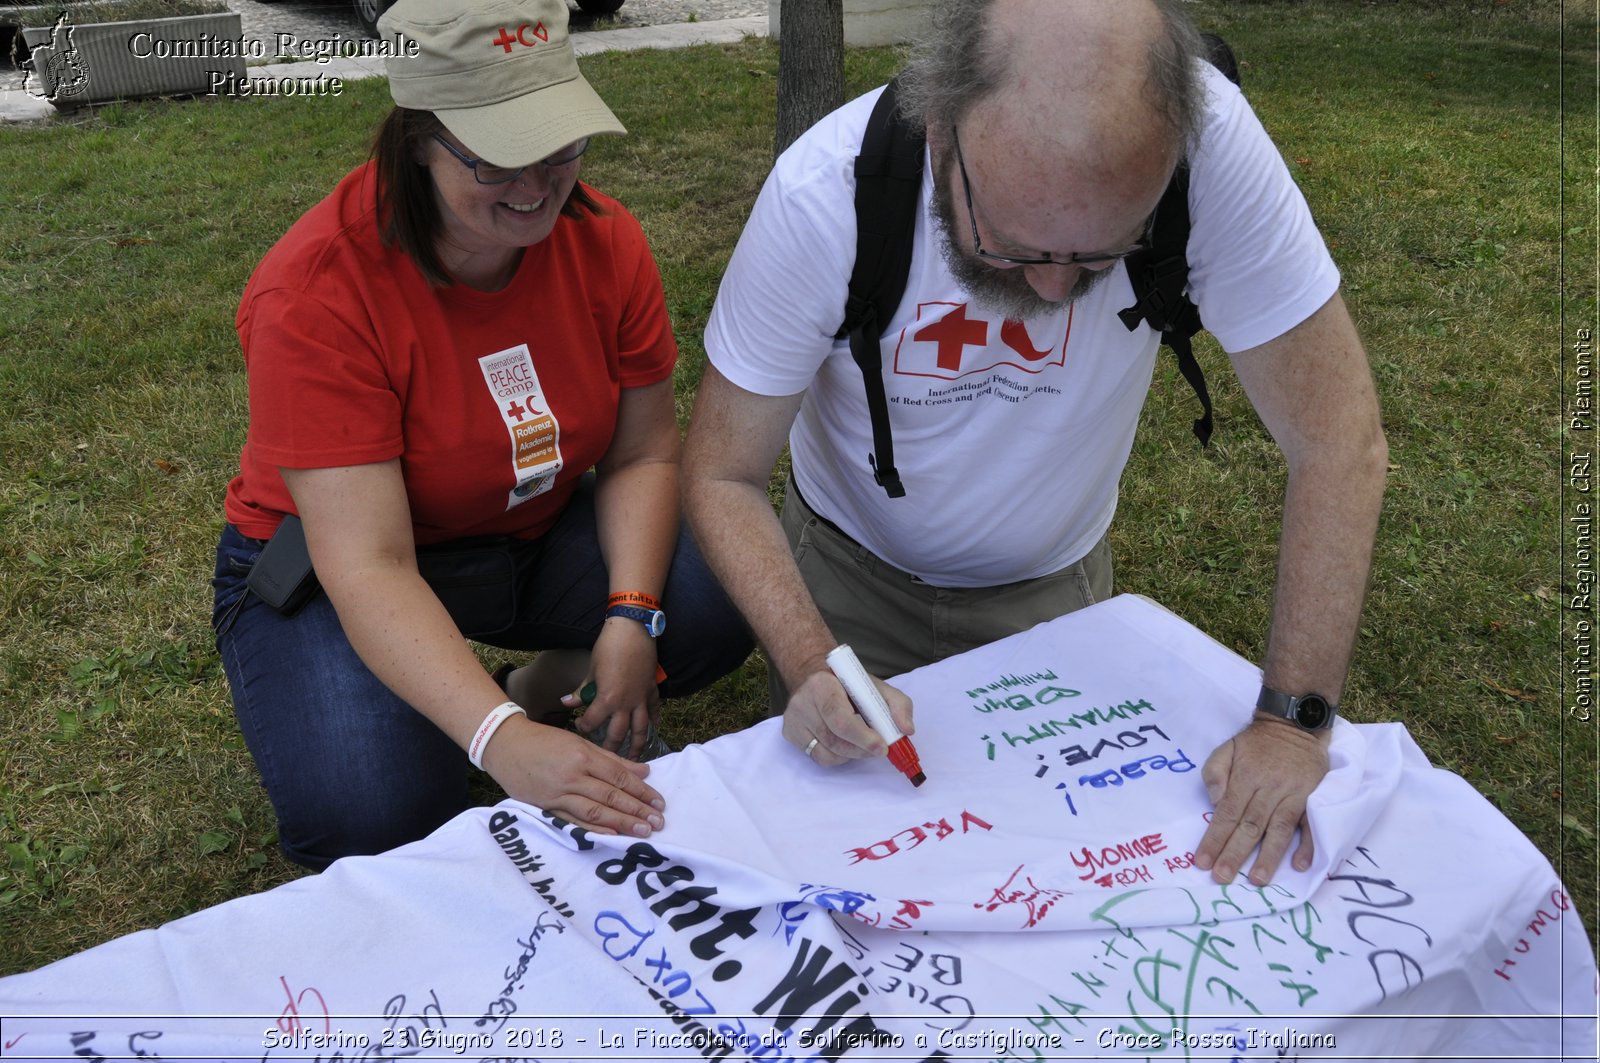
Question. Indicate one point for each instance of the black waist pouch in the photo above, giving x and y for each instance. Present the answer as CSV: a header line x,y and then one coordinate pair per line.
x,y
282,575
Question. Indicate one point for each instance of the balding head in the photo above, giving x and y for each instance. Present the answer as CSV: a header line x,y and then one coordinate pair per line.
x,y
1077,86
1054,60
1072,115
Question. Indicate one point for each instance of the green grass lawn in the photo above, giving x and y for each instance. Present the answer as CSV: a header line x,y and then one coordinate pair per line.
x,y
1428,139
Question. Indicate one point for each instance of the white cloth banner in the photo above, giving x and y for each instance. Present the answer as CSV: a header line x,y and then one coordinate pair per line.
x,y
1033,900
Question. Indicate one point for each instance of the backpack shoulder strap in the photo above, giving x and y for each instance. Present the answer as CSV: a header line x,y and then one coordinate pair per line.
x,y
888,178
1160,274
1160,278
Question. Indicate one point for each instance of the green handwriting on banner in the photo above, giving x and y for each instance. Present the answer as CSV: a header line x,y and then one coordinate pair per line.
x,y
1040,731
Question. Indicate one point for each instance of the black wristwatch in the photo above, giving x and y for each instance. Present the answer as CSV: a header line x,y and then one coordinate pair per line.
x,y
654,620
1309,712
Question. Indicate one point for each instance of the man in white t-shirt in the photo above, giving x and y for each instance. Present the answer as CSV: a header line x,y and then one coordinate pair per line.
x,y
1053,127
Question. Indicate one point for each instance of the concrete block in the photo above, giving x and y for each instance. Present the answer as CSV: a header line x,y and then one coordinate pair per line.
x,y
868,23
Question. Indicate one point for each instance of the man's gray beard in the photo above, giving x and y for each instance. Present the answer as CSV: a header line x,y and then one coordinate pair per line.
x,y
1003,291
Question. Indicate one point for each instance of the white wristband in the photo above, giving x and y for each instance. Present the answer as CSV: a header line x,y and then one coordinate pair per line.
x,y
491,723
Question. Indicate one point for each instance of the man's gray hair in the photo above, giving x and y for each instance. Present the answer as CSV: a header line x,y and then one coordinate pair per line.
x,y
959,63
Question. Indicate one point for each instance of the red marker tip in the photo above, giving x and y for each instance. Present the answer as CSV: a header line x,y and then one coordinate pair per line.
x,y
903,755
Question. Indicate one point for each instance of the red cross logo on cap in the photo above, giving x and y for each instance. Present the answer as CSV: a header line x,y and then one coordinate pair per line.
x,y
507,38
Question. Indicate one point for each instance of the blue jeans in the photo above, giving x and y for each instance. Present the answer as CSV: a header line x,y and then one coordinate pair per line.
x,y
351,768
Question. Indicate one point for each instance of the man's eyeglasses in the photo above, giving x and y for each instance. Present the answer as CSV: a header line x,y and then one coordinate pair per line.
x,y
1074,259
489,174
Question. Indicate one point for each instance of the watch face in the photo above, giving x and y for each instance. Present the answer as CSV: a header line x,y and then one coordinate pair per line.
x,y
1312,712
657,623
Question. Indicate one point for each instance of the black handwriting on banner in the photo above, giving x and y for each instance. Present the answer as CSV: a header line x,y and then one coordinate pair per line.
x,y
653,875
1077,754
813,978
415,1030
500,1010
672,984
921,967
503,826
1393,966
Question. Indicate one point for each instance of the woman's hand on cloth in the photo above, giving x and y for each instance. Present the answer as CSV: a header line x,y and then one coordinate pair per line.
x,y
820,710
623,670
565,773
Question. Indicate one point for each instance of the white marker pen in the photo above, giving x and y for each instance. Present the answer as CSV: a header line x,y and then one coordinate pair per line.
x,y
902,754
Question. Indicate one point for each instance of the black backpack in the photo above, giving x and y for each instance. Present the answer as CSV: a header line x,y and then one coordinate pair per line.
x,y
888,177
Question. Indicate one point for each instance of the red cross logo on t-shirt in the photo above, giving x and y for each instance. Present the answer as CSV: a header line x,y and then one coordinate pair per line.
x,y
516,409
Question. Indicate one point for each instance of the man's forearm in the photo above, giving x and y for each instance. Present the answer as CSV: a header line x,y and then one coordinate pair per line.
x,y
743,542
1315,394
1325,557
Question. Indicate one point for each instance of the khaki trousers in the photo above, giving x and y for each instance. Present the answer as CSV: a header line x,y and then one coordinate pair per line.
x,y
895,622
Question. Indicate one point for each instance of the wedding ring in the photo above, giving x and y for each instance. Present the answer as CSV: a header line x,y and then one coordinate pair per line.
x,y
811,745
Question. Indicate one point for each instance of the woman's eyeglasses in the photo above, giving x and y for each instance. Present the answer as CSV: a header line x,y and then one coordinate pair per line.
x,y
489,174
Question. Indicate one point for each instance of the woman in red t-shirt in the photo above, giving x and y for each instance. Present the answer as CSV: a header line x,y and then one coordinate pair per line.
x,y
438,353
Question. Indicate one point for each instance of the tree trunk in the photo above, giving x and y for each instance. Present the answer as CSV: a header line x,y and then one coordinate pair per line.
x,y
810,66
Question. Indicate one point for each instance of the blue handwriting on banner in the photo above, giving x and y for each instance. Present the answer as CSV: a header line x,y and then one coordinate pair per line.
x,y
1137,769
792,913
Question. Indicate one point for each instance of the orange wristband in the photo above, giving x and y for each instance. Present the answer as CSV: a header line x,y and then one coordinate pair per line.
x,y
649,601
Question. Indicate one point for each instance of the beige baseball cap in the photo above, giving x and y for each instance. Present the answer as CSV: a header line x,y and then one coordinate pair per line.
x,y
500,74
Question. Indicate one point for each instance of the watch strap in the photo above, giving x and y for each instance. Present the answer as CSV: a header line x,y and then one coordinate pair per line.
x,y
1309,712
654,620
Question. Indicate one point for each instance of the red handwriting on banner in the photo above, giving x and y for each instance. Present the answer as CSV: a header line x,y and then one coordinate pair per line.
x,y
1541,920
913,837
1036,900
289,1020
1123,855
910,911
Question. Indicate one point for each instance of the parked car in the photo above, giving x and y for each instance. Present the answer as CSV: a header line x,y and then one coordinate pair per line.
x,y
367,11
